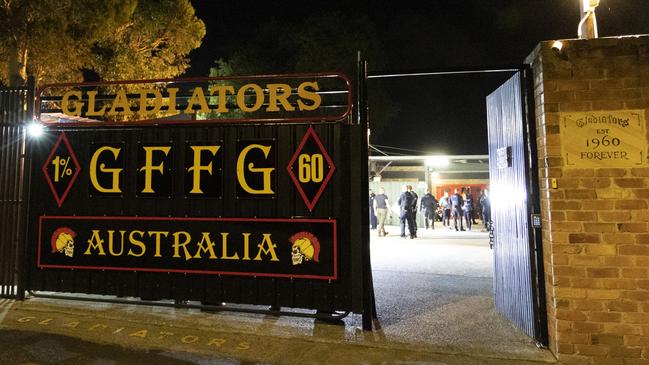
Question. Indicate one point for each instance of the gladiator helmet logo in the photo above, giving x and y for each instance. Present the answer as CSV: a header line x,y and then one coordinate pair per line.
x,y
306,247
63,241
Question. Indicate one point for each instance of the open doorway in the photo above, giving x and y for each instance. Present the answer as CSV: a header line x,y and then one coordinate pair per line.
x,y
446,286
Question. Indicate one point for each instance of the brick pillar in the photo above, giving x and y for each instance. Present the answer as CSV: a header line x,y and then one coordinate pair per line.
x,y
595,222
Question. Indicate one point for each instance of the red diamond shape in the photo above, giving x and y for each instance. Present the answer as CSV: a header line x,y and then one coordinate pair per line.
x,y
62,173
311,157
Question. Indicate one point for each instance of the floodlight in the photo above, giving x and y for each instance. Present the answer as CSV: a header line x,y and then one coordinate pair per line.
x,y
437,161
35,129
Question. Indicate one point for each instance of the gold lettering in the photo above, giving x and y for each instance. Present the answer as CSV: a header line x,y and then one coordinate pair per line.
x,y
281,93
137,243
198,97
121,101
157,102
45,322
303,93
73,324
110,243
95,242
266,171
216,342
224,245
268,248
189,339
140,334
243,346
171,101
65,103
164,334
91,105
197,167
241,98
148,167
102,168
95,326
157,235
177,244
222,91
205,245
246,246
25,319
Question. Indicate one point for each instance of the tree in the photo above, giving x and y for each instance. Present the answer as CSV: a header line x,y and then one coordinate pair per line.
x,y
327,43
57,40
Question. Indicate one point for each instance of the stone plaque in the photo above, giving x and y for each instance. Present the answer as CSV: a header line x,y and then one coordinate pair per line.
x,y
604,139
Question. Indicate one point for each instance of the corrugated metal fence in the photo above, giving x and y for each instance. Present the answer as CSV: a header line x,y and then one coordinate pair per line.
x,y
15,110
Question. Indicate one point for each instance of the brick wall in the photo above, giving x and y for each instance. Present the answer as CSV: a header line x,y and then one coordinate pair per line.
x,y
595,223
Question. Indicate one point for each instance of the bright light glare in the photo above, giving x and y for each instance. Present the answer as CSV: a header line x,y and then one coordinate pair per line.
x,y
35,129
437,161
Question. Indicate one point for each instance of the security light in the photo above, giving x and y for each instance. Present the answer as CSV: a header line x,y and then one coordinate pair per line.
x,y
35,129
437,161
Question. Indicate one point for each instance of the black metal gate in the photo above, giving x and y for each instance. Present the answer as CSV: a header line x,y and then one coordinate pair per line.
x,y
349,289
518,259
15,112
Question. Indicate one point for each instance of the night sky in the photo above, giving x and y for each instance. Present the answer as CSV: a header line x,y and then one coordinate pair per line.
x,y
438,114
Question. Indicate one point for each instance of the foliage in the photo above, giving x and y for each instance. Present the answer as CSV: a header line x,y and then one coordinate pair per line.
x,y
322,43
57,40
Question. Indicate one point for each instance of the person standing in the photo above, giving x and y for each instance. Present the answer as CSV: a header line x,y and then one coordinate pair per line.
x,y
429,206
446,209
456,209
373,221
413,212
405,202
381,205
467,208
486,209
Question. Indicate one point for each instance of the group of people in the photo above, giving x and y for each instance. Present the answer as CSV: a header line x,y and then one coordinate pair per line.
x,y
459,205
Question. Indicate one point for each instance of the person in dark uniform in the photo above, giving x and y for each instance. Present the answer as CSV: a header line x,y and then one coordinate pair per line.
x,y
486,209
373,220
429,206
405,202
413,212
456,209
467,208
446,209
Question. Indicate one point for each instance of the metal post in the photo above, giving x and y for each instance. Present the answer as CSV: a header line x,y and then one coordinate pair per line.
x,y
369,305
587,28
25,181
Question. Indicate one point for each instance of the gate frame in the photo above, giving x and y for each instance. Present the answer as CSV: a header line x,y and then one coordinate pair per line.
x,y
533,202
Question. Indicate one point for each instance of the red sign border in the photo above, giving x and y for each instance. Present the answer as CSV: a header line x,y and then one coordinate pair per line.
x,y
229,273
60,200
157,122
325,182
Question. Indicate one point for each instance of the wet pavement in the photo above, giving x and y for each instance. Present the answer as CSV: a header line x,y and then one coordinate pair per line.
x,y
434,301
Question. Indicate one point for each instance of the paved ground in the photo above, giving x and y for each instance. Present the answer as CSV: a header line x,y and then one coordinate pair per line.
x,y
433,298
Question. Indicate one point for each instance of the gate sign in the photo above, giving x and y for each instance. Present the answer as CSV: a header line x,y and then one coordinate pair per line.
x,y
298,248
286,98
311,168
61,169
237,178
604,139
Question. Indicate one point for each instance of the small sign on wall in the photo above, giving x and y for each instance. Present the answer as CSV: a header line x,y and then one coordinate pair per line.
x,y
604,139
